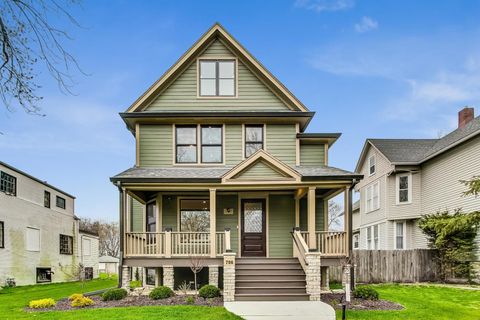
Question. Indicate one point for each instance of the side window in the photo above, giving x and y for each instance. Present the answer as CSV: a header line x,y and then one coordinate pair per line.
x,y
60,202
404,191
254,139
399,235
2,235
66,244
46,199
372,165
356,241
8,184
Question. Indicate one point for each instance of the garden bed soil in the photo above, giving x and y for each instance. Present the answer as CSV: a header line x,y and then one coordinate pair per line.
x,y
136,301
335,300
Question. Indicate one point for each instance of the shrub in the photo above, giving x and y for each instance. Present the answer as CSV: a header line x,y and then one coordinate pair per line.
x,y
75,296
209,291
135,284
42,303
82,302
114,294
161,293
365,292
190,300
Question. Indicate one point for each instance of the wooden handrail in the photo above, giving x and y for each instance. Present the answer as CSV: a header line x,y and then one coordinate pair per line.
x,y
301,248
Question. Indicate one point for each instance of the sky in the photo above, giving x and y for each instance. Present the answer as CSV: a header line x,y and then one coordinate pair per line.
x,y
369,69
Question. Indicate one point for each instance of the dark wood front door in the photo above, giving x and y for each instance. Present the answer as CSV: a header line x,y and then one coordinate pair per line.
x,y
254,228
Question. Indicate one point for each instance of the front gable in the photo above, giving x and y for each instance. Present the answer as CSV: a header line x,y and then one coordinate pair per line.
x,y
258,89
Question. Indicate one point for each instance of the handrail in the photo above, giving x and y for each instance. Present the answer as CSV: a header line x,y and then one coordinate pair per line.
x,y
333,243
301,248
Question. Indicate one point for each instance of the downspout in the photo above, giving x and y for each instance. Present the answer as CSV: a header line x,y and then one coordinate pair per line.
x,y
350,233
121,204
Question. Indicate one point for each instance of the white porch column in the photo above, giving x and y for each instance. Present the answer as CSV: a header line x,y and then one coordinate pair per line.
x,y
297,212
213,225
312,241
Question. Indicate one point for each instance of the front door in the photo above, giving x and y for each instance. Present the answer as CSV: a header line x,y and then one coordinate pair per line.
x,y
254,237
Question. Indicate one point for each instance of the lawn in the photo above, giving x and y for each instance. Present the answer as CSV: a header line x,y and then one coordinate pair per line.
x,y
424,302
12,302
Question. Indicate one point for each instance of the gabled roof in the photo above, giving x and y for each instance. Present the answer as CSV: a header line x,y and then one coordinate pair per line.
x,y
417,151
217,31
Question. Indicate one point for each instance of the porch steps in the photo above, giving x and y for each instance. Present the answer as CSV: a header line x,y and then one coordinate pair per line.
x,y
269,279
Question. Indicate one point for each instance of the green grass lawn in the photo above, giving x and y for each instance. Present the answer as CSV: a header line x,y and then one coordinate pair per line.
x,y
424,302
13,302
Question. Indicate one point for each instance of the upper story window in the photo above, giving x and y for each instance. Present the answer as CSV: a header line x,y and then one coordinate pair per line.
x,y
217,78
66,244
211,144
60,202
372,197
46,199
8,184
253,139
2,235
404,189
372,165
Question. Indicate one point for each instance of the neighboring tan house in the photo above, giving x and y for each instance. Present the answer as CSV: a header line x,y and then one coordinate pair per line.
x,y
108,264
408,178
224,172
39,233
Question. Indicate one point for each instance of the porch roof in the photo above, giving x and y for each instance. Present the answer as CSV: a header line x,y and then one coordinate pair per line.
x,y
187,174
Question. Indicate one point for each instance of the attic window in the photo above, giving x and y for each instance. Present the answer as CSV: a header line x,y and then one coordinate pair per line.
x,y
217,78
371,164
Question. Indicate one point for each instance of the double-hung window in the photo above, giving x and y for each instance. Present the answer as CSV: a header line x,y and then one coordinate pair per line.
x,y
8,183
217,78
60,202
253,139
46,199
404,189
186,144
372,197
369,238
2,235
356,242
371,165
400,235
66,244
211,144
375,237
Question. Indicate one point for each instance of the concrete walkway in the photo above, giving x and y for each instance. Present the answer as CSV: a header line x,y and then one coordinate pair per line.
x,y
281,310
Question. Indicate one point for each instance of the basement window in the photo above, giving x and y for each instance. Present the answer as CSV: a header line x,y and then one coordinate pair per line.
x,y
44,275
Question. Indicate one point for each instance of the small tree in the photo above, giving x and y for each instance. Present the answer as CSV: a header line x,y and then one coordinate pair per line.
x,y
196,265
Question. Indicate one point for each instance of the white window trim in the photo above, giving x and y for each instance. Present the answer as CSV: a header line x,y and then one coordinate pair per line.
x,y
404,242
369,165
366,196
397,188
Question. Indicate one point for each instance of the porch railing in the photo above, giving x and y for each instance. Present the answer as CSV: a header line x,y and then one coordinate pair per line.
x,y
329,243
300,248
175,244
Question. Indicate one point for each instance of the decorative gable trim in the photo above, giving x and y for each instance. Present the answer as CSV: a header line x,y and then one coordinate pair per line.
x,y
289,174
364,152
217,31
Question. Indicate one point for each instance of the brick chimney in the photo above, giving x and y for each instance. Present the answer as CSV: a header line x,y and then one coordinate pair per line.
x,y
465,116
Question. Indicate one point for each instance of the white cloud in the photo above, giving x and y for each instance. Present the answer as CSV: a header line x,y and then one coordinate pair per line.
x,y
366,24
325,5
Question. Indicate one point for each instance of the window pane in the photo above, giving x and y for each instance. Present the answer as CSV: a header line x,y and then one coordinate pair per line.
x,y
186,154
186,135
400,242
403,182
195,215
151,218
207,69
150,280
403,196
226,69
254,134
211,154
253,217
207,87
211,135
251,148
226,87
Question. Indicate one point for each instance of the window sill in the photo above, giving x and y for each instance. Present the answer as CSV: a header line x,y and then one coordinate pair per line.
x,y
403,203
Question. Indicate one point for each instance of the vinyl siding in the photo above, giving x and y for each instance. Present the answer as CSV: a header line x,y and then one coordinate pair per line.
x,y
281,142
259,171
312,154
169,211
136,209
181,95
156,145
281,220
228,221
233,144
407,210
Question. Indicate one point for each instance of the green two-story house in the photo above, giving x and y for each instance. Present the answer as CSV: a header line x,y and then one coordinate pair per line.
x,y
227,177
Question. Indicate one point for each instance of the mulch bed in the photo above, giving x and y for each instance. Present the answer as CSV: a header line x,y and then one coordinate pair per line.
x,y
335,300
132,301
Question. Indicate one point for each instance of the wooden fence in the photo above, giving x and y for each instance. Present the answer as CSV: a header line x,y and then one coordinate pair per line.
x,y
377,266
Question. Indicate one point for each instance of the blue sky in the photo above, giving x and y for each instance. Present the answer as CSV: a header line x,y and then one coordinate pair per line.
x,y
399,69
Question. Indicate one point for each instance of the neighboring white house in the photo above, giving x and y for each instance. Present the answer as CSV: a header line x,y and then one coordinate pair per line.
x,y
39,233
407,178
108,264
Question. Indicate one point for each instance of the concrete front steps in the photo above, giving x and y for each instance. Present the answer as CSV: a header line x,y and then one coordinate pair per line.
x,y
269,279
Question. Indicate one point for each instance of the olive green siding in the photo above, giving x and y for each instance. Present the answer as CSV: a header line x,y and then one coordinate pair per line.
x,y
319,214
312,154
228,221
181,95
233,144
281,142
169,212
281,220
259,171
136,210
156,147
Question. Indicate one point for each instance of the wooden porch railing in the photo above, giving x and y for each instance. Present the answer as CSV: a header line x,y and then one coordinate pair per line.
x,y
300,248
329,243
175,244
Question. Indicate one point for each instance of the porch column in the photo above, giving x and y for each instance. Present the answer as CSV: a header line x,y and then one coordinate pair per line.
x,y
312,241
348,220
297,212
213,225
168,276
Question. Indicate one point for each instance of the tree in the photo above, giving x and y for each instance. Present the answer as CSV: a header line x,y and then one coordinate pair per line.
x,y
108,233
335,216
28,40
196,265
473,186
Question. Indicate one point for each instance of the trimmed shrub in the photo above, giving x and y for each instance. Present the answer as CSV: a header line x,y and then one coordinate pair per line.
x,y
161,293
75,296
82,302
365,292
135,284
189,300
114,294
209,291
42,303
